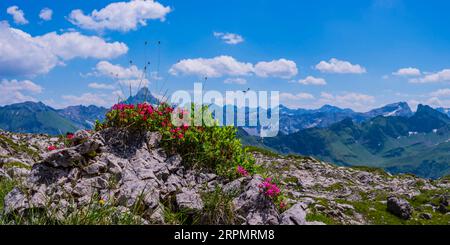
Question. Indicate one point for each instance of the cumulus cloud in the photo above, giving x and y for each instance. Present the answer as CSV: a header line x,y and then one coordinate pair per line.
x,y
13,91
17,14
281,68
46,14
441,93
105,68
126,76
120,16
310,80
87,99
407,72
339,66
229,38
355,101
440,76
73,44
228,66
23,54
432,101
235,81
214,67
101,86
134,84
298,96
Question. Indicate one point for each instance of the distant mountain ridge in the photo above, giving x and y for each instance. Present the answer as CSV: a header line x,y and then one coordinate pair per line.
x,y
294,120
36,117
418,144
84,116
32,117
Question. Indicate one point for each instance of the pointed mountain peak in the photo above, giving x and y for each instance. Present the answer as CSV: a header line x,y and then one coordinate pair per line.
x,y
143,95
401,109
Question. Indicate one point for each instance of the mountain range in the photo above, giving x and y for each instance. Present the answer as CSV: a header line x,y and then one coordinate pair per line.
x,y
418,144
391,137
36,117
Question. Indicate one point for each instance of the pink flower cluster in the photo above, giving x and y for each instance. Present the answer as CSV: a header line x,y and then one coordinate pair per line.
x,y
242,171
52,148
69,136
269,188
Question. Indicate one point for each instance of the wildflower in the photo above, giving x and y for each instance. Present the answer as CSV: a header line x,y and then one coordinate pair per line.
x,y
52,148
282,205
180,136
242,171
269,188
69,136
101,202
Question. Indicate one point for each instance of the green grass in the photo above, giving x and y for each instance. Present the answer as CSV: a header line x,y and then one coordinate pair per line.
x,y
6,186
218,208
335,187
262,151
375,212
375,170
19,148
16,164
315,216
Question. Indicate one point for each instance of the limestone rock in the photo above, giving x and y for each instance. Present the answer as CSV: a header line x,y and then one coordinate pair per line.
x,y
189,200
296,215
399,207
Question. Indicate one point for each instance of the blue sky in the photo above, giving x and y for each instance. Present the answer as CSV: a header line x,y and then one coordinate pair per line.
x,y
356,54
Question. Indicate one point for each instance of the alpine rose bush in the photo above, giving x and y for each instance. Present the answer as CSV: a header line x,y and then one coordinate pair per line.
x,y
271,190
212,147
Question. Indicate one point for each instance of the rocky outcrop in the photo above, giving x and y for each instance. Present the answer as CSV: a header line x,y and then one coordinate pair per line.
x,y
129,170
399,207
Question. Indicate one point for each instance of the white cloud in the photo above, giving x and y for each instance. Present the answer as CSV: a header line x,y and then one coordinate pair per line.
x,y
120,16
214,67
440,76
441,93
14,91
407,72
433,102
355,101
73,44
229,38
46,14
281,68
310,80
299,96
87,99
17,14
228,66
126,76
100,86
339,66
134,84
23,54
235,81
105,68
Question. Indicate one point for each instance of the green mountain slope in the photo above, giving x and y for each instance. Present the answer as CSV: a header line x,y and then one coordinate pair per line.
x,y
31,117
418,144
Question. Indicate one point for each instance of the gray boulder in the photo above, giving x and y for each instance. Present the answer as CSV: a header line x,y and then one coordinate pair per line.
x,y
296,215
15,201
3,174
399,207
189,200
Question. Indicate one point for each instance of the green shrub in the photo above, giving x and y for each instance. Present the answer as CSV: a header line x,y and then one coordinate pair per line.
x,y
206,146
